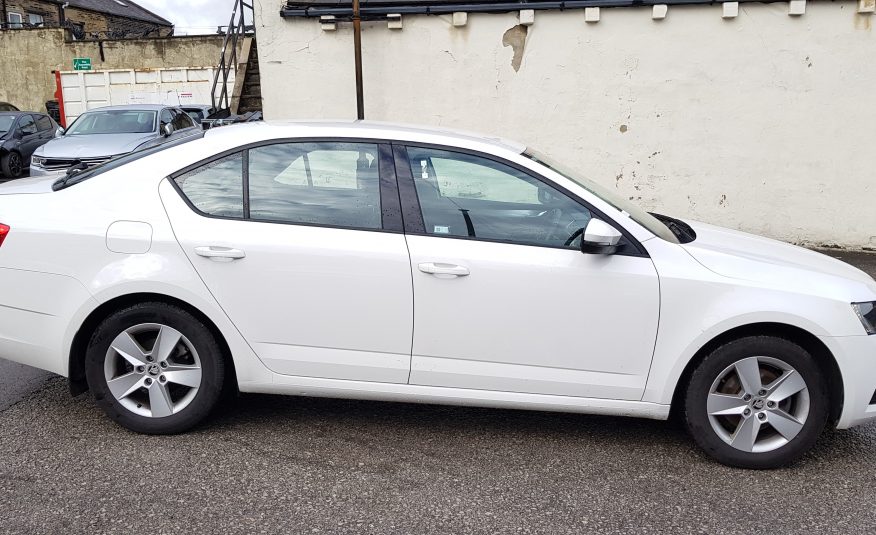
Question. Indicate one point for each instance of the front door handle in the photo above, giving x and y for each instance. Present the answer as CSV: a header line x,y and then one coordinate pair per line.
x,y
437,268
220,253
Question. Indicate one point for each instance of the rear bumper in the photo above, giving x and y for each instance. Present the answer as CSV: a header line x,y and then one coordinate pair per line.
x,y
856,356
35,312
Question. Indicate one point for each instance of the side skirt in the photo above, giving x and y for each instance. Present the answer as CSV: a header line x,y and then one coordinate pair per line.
x,y
336,388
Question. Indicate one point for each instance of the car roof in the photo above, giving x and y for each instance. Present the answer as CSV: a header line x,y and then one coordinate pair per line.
x,y
133,107
365,130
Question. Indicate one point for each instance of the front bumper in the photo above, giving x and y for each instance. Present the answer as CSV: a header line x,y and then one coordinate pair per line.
x,y
856,357
39,172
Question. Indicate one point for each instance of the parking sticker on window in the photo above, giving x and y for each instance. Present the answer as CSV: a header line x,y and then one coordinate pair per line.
x,y
441,230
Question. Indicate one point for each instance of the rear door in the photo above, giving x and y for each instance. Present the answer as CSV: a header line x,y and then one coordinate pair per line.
x,y
301,243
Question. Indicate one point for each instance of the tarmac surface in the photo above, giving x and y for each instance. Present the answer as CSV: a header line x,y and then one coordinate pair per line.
x,y
271,464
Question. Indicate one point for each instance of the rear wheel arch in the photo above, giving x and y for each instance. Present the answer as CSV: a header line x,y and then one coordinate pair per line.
x,y
78,347
796,335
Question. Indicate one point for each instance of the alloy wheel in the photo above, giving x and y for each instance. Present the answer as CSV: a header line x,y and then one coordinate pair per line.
x,y
156,382
15,166
758,404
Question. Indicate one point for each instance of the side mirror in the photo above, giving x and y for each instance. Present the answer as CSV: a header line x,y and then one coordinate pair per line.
x,y
600,238
167,130
60,131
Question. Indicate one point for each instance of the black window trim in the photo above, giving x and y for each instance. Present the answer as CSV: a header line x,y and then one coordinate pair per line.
x,y
414,223
391,219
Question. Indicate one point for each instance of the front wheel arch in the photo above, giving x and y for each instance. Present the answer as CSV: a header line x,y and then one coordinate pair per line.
x,y
801,337
77,381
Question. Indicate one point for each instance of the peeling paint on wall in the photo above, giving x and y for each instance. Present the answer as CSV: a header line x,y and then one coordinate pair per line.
x,y
516,39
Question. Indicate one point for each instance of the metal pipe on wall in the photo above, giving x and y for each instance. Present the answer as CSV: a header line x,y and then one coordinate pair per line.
x,y
357,50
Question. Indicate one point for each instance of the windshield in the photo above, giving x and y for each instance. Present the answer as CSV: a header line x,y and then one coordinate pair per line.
x,y
6,122
113,122
635,212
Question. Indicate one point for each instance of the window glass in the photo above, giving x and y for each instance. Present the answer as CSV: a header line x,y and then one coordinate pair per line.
x,y
470,196
35,19
216,188
113,122
27,125
332,184
15,20
44,123
166,118
181,121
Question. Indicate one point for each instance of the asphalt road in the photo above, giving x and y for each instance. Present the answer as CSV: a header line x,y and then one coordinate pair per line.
x,y
270,464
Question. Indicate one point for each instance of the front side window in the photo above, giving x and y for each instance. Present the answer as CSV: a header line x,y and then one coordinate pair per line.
x,y
166,118
113,122
330,184
27,125
471,196
216,188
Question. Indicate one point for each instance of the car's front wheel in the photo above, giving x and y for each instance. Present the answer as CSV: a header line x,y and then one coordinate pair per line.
x,y
12,165
757,402
154,368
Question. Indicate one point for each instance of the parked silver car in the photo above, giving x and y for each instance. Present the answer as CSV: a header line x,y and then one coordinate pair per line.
x,y
101,134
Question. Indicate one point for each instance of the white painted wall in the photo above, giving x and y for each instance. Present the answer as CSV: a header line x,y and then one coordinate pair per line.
x,y
765,122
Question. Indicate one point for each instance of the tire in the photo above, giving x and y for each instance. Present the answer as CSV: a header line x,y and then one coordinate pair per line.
x,y
12,165
756,422
155,369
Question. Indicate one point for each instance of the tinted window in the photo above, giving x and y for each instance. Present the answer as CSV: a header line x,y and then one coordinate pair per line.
x,y
332,184
27,125
7,107
470,196
181,120
216,188
44,123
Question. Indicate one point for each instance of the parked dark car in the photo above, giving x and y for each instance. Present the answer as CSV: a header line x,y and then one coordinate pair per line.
x,y
5,106
22,133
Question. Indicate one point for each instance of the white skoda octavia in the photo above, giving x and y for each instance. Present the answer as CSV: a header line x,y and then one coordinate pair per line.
x,y
384,262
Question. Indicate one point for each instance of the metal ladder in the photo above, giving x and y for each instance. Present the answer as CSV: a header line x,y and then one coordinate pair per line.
x,y
236,36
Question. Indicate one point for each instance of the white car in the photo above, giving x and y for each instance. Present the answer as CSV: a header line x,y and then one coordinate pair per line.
x,y
384,262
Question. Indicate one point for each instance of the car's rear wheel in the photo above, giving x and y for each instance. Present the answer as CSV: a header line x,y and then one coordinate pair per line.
x,y
757,402
12,165
154,368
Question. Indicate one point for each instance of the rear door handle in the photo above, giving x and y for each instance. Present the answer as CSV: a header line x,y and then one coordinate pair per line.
x,y
220,253
437,268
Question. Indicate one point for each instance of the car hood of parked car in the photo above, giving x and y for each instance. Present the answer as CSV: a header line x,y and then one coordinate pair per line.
x,y
739,255
92,146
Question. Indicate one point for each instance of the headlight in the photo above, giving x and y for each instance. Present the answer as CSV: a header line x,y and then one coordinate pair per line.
x,y
867,313
37,161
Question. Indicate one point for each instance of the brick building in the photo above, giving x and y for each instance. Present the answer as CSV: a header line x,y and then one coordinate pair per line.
x,y
86,19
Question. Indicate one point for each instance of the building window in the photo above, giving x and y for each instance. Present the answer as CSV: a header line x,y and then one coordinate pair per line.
x,y
36,20
15,20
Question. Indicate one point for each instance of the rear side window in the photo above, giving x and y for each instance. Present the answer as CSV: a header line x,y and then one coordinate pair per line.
x,y
181,120
44,123
328,184
216,188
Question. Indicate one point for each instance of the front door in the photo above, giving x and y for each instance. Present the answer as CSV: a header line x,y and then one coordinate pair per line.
x,y
296,246
504,298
